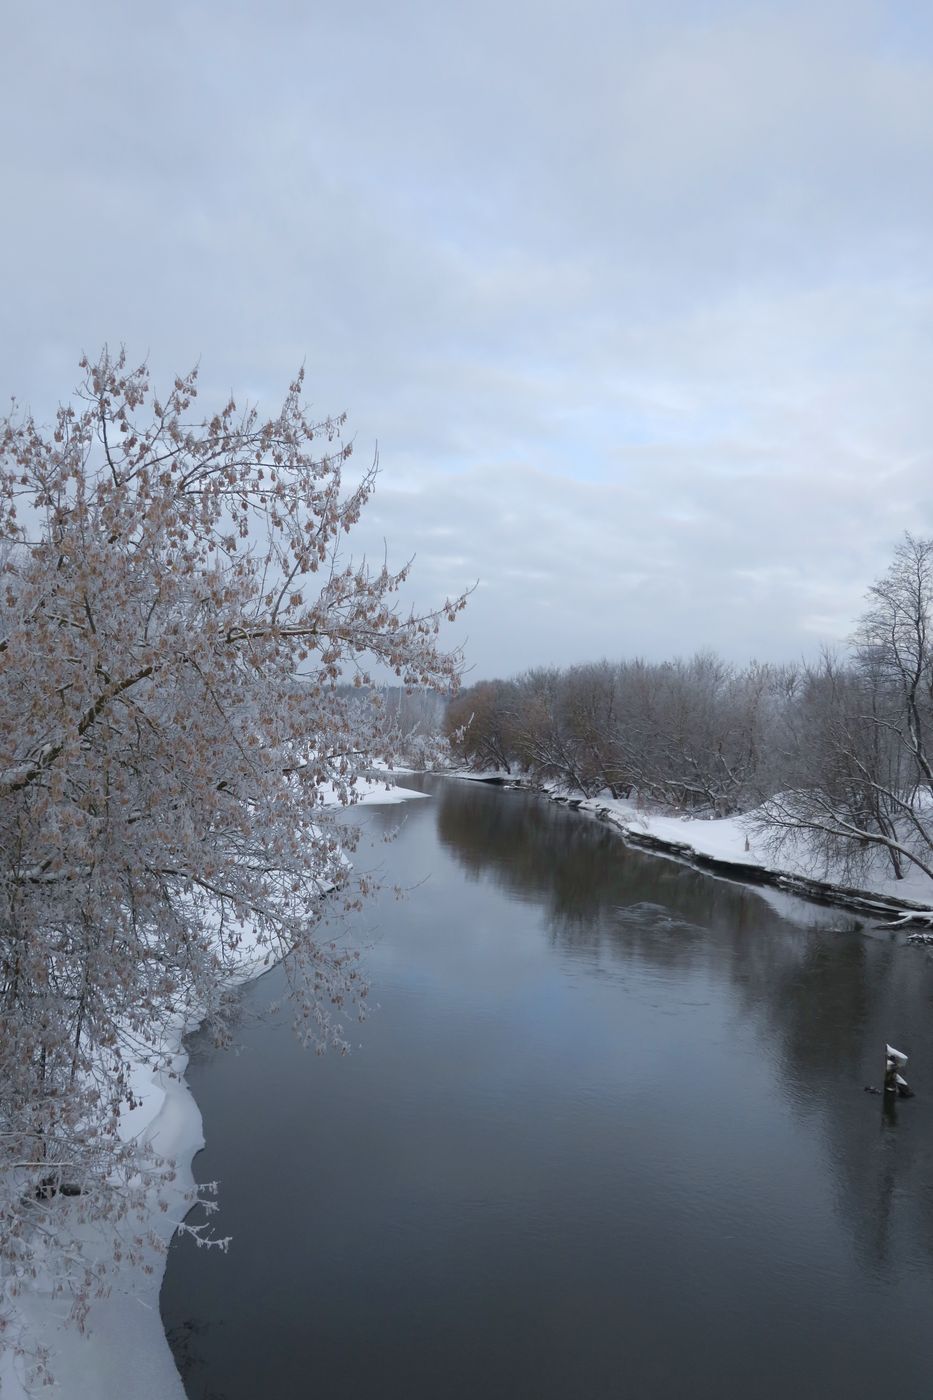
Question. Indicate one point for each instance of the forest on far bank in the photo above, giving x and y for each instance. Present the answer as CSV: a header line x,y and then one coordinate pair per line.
x,y
838,751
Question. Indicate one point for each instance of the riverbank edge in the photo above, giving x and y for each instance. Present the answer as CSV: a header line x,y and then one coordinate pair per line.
x,y
751,872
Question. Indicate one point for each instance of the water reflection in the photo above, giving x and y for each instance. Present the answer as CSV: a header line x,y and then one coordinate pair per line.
x,y
828,992
607,1135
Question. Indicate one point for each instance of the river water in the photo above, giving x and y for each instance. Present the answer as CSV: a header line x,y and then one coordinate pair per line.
x,y
604,1135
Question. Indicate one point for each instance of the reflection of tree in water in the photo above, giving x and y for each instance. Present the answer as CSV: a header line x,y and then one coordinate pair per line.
x,y
830,1000
185,1339
827,996
581,869
847,1001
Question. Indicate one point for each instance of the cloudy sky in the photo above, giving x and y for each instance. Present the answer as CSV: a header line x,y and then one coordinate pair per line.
x,y
636,298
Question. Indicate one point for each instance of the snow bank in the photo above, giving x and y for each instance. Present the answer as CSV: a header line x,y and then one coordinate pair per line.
x,y
734,841
125,1355
377,792
483,775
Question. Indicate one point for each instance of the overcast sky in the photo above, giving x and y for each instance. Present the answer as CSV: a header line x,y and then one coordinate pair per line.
x,y
637,298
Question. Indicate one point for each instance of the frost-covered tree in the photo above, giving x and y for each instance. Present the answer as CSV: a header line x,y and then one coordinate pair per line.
x,y
692,734
863,785
480,724
178,624
694,729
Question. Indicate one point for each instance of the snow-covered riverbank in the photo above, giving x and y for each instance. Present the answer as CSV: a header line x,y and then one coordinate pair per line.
x,y
733,846
125,1355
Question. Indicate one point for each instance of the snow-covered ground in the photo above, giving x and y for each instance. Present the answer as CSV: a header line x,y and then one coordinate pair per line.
x,y
124,1355
485,775
736,840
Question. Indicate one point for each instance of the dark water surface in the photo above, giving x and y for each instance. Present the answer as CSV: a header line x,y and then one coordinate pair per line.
x,y
605,1136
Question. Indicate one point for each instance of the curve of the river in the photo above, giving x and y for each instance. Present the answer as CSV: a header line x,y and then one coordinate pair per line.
x,y
605,1135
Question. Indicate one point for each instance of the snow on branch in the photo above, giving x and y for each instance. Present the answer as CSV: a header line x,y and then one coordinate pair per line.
x,y
176,626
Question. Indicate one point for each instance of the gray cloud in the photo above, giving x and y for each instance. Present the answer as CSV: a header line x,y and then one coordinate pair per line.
x,y
637,300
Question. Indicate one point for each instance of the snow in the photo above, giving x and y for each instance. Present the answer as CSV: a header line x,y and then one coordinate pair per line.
x,y
125,1355
735,839
482,775
372,792
732,839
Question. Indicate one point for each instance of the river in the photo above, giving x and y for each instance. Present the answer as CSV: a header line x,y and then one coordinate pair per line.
x,y
604,1134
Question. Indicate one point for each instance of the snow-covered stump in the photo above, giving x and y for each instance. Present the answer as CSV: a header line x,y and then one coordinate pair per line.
x,y
894,1083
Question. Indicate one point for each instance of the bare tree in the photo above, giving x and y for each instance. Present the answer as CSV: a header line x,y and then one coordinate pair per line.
x,y
544,737
692,732
688,733
864,775
592,716
480,724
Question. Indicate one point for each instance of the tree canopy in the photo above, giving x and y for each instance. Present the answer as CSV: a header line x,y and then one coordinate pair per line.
x,y
178,624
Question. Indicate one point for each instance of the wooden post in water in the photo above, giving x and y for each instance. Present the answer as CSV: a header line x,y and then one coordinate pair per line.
x,y
894,1062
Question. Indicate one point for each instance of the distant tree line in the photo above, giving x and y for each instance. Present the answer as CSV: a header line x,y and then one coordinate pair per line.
x,y
836,755
697,734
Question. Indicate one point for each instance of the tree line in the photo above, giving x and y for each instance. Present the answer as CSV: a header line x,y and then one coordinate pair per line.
x,y
834,757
